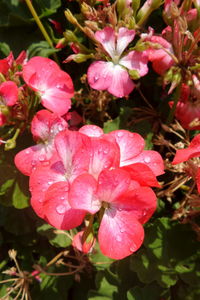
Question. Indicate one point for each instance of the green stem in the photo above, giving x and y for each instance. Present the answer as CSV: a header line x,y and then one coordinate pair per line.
x,y
172,111
41,27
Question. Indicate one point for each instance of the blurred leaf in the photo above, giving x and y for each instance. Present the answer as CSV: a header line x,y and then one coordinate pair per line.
x,y
99,260
150,292
41,49
111,125
104,289
46,8
19,199
57,238
5,49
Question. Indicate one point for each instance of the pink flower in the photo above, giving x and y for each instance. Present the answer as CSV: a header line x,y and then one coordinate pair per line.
x,y
183,155
161,60
113,76
54,86
124,208
84,246
44,127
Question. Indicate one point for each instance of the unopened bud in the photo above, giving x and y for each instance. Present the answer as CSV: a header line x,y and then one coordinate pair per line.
x,y
61,43
134,74
4,109
70,36
168,76
141,46
71,18
10,144
78,58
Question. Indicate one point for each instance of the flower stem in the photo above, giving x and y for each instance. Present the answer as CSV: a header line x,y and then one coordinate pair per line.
x,y
172,111
41,27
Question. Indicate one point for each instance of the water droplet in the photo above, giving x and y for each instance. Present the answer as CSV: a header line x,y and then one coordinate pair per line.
x,y
96,78
27,151
133,248
105,151
34,162
120,209
60,127
147,159
62,198
49,182
118,238
120,133
58,86
66,189
122,230
61,209
41,157
100,182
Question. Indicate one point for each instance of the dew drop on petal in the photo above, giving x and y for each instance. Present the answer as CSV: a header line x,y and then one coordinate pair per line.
x,y
60,127
60,209
147,159
34,162
62,198
49,182
118,238
120,134
41,158
105,151
27,151
122,230
96,78
133,248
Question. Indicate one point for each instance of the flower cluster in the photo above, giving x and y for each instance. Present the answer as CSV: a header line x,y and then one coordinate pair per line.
x,y
45,83
86,173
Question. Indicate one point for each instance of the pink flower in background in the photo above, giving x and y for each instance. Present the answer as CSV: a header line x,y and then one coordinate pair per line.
x,y
186,154
54,86
113,75
8,97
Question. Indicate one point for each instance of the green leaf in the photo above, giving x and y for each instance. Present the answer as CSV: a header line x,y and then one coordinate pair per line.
x,y
5,49
99,260
104,290
150,292
57,238
41,49
19,199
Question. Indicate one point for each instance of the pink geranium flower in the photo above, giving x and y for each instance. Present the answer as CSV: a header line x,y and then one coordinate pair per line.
x,y
44,127
53,85
124,207
113,75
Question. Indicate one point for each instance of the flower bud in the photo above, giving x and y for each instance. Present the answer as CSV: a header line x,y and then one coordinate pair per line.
x,y
134,74
70,17
61,43
78,58
10,144
70,36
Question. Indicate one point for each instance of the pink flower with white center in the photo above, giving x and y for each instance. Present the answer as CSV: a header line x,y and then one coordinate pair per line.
x,y
54,86
113,75
123,209
44,127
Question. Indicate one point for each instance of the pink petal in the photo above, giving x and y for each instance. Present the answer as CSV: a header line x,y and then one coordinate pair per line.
x,y
103,155
124,37
192,151
91,130
57,210
135,60
83,194
85,247
41,68
131,144
106,37
9,92
30,158
120,234
40,180
141,201
150,158
142,173
56,100
198,179
45,125
107,76
72,149
112,184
